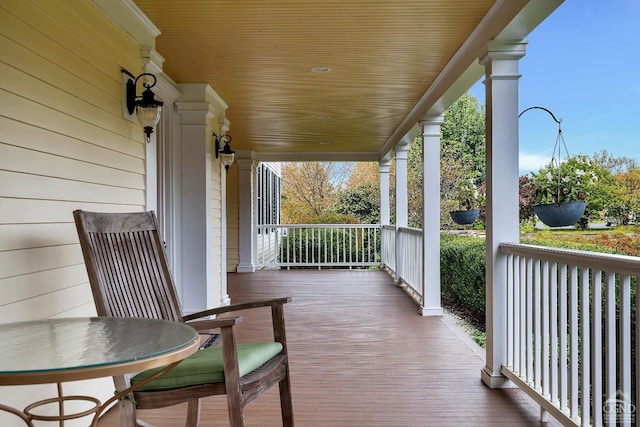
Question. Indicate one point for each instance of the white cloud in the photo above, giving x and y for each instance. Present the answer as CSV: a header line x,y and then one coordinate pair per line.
x,y
532,162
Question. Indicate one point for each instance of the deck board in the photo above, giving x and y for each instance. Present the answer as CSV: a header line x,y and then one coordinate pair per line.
x,y
361,355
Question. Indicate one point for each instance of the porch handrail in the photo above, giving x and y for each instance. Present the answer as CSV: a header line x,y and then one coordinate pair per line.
x,y
569,332
318,245
409,261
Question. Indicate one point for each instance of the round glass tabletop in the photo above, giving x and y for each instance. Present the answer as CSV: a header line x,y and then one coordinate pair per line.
x,y
76,348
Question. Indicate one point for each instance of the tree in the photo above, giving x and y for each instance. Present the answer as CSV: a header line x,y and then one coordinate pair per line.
x,y
615,165
526,197
463,136
625,203
310,190
364,173
362,203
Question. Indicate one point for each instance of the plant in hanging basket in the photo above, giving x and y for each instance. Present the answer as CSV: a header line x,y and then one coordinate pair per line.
x,y
562,190
470,199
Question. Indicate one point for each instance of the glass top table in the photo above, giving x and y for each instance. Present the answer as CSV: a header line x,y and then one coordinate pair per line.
x,y
69,349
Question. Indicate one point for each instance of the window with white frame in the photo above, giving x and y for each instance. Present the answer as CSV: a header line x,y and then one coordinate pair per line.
x,y
268,192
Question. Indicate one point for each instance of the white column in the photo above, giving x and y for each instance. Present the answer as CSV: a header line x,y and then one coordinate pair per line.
x,y
501,64
195,252
402,201
247,220
431,216
385,205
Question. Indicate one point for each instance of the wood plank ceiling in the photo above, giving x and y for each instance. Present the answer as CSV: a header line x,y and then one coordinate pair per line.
x,y
259,56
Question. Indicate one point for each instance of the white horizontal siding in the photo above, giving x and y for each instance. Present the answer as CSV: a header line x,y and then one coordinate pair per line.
x,y
63,146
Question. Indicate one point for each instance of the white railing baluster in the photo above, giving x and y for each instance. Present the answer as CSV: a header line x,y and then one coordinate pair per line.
x,y
510,306
574,409
563,376
586,347
545,329
553,334
523,316
637,335
596,339
530,332
537,305
610,336
625,348
344,246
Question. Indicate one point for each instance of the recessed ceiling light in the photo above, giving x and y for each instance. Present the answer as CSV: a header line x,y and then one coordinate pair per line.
x,y
324,143
323,117
320,69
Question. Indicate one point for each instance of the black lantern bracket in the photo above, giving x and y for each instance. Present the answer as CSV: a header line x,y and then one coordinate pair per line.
x,y
226,154
145,106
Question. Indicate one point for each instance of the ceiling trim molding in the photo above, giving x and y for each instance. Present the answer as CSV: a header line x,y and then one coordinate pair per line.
x,y
317,157
130,17
461,72
513,19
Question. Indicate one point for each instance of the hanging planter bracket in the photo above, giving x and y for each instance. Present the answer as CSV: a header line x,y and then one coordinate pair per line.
x,y
559,145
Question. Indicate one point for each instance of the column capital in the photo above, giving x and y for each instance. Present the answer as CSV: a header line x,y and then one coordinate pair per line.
x,y
384,165
431,126
429,119
200,104
402,148
503,49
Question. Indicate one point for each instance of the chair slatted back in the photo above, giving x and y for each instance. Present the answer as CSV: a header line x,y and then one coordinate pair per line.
x,y
127,265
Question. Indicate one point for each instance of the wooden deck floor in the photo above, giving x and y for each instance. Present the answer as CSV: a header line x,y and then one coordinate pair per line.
x,y
361,355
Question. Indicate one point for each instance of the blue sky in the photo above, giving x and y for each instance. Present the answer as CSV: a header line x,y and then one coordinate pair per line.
x,y
583,64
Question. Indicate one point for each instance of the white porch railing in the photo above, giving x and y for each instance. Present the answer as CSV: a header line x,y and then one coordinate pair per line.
x,y
409,261
389,247
319,245
402,256
569,332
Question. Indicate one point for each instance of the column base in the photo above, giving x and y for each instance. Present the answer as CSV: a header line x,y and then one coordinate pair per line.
x,y
246,268
431,311
495,379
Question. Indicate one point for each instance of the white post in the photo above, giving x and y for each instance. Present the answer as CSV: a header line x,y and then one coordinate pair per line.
x,y
195,253
385,205
431,216
501,64
247,220
402,201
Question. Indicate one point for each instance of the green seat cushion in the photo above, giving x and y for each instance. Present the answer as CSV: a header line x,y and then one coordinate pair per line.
x,y
206,366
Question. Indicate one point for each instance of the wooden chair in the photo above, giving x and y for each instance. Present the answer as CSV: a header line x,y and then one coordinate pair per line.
x,y
129,277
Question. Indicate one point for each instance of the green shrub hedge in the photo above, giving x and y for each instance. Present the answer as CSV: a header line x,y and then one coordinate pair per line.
x,y
462,272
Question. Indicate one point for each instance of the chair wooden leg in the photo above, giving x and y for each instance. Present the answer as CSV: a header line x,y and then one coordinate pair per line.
x,y
127,405
127,414
286,404
193,413
232,377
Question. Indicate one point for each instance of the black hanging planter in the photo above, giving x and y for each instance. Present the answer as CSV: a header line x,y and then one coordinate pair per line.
x,y
465,217
560,214
563,212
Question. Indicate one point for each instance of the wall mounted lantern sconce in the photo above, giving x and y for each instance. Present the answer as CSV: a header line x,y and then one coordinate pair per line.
x,y
226,154
146,106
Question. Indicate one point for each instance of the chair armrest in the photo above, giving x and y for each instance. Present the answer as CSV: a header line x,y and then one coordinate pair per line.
x,y
236,307
201,325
